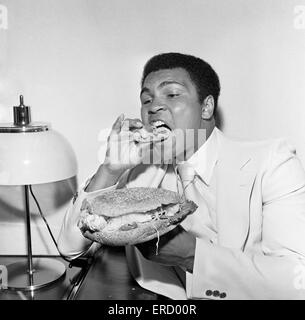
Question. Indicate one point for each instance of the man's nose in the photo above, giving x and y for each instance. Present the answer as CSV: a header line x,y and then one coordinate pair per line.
x,y
155,108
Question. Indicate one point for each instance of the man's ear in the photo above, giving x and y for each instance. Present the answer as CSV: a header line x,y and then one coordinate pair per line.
x,y
207,109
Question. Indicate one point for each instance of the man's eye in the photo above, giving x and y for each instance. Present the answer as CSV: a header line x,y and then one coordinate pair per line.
x,y
146,101
173,95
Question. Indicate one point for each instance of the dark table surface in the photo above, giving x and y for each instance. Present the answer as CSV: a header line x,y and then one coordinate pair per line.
x,y
109,279
106,278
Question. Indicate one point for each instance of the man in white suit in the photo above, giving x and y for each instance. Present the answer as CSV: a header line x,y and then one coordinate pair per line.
x,y
246,240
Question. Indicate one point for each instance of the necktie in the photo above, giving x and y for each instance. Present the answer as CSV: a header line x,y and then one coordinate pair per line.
x,y
199,223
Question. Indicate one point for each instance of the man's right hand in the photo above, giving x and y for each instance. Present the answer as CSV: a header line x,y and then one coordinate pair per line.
x,y
123,153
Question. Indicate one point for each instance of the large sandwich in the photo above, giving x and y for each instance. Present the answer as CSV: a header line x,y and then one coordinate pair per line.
x,y
132,216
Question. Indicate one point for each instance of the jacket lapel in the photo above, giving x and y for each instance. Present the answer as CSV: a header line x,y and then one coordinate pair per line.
x,y
235,180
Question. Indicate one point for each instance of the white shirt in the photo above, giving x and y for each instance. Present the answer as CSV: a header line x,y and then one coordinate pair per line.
x,y
205,159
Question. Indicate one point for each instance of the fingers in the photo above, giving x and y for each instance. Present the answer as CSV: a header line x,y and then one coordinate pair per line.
x,y
131,124
116,127
122,125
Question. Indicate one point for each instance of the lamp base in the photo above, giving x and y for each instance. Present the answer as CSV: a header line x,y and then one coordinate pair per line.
x,y
46,272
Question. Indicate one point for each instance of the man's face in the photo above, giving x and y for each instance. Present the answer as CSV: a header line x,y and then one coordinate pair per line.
x,y
170,95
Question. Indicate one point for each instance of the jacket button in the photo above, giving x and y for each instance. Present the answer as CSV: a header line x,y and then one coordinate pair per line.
x,y
222,295
209,293
216,293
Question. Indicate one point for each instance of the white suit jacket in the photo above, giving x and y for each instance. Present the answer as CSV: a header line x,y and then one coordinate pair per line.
x,y
260,250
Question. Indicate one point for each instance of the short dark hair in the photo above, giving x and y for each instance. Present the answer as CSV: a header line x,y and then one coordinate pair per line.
x,y
201,73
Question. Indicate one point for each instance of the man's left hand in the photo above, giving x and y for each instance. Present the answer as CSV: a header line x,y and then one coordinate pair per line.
x,y
176,248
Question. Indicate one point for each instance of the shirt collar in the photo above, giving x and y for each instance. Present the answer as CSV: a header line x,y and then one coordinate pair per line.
x,y
205,158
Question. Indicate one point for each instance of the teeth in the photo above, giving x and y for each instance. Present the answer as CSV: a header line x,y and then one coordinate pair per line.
x,y
157,123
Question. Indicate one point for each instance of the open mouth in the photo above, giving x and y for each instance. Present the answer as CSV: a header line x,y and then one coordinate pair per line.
x,y
160,129
159,124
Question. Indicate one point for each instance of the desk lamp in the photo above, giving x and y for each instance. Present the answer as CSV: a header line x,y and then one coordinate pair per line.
x,y
33,153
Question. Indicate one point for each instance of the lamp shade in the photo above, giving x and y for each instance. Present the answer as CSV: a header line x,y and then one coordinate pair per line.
x,y
35,157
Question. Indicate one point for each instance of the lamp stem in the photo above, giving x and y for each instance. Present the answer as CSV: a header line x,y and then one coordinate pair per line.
x,y
29,238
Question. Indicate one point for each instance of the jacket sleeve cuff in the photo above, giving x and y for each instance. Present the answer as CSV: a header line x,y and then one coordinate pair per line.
x,y
199,284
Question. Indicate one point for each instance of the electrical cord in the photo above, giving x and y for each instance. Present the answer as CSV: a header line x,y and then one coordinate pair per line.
x,y
77,262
